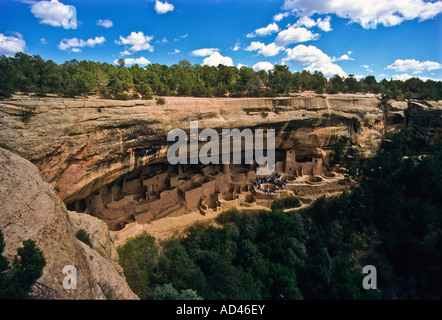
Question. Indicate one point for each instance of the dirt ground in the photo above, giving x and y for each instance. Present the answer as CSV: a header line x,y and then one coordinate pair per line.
x,y
168,227
174,226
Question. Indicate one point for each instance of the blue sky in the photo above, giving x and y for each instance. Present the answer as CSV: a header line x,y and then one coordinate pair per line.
x,y
388,39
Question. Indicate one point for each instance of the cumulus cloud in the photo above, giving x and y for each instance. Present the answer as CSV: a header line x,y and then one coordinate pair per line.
x,y
216,59
266,31
9,45
134,42
163,7
269,50
74,44
106,23
369,13
294,34
343,57
323,24
406,76
176,51
315,59
414,65
204,52
142,61
263,65
280,16
52,13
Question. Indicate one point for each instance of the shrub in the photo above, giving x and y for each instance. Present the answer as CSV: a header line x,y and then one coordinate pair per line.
x,y
160,101
289,202
27,112
84,237
147,97
121,96
230,215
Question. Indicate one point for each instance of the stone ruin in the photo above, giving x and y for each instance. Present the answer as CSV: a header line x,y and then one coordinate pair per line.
x,y
163,190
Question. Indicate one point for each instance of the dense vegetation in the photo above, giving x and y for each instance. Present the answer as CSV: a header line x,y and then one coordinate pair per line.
x,y
17,280
31,74
392,221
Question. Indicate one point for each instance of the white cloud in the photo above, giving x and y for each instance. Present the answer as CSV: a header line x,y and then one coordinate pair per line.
x,y
414,65
174,51
305,22
343,57
74,44
294,35
204,52
105,23
52,13
369,13
135,42
315,58
43,41
216,59
406,76
9,45
237,46
366,67
182,37
263,65
280,16
163,7
266,31
240,65
269,50
323,24
142,61
328,69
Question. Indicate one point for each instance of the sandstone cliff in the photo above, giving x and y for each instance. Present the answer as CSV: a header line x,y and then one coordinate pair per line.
x,y
30,209
82,144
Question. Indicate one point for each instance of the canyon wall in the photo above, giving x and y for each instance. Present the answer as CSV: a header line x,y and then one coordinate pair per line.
x,y
80,145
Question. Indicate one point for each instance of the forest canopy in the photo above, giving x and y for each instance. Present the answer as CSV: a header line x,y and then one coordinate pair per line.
x,y
32,74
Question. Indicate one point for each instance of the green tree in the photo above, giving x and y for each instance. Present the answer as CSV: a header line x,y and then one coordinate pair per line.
x,y
280,79
16,282
336,84
168,292
352,84
139,259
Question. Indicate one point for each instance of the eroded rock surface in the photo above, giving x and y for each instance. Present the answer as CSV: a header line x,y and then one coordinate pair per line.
x,y
31,209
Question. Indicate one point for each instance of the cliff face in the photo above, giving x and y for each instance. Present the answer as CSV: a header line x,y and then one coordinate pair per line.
x,y
30,209
82,144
